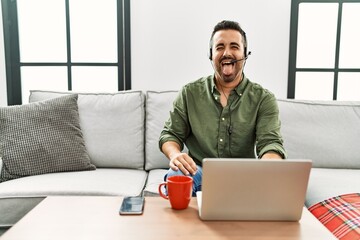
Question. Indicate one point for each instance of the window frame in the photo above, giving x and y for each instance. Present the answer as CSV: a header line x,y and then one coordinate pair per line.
x,y
293,47
12,50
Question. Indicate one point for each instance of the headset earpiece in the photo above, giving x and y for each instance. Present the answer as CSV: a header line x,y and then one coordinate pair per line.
x,y
210,54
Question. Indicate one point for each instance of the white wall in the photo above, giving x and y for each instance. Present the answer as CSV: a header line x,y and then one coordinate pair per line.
x,y
3,95
170,40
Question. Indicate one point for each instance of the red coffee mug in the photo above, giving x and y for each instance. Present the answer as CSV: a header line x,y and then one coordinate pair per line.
x,y
179,189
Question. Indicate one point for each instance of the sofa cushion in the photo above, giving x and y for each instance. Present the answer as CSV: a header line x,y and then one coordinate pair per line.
x,y
112,125
325,131
42,137
19,196
158,107
327,183
155,177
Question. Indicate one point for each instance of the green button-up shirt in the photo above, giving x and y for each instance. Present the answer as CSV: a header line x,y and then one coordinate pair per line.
x,y
248,126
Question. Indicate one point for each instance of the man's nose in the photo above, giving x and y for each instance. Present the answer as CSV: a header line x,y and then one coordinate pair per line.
x,y
227,52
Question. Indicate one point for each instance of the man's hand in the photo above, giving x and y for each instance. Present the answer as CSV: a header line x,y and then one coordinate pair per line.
x,y
183,162
178,160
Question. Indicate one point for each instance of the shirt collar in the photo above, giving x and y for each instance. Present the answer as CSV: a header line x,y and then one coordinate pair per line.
x,y
239,89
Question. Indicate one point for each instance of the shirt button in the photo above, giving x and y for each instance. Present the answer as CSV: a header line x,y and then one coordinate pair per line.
x,y
223,119
221,140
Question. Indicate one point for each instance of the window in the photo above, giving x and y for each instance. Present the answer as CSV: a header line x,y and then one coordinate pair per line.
x,y
324,50
79,45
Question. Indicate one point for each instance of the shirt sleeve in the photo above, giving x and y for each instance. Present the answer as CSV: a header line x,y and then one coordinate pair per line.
x,y
177,127
268,134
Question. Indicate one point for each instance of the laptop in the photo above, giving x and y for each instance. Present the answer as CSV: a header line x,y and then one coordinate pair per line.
x,y
253,189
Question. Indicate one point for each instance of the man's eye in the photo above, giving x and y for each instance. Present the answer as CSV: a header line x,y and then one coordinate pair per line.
x,y
219,48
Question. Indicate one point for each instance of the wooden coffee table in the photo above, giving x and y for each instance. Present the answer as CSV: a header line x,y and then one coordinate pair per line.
x,y
98,218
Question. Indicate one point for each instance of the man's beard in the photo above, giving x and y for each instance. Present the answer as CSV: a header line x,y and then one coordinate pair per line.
x,y
228,79
225,78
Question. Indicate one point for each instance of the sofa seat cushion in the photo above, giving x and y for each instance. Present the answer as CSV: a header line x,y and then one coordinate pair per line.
x,y
155,177
341,215
19,196
112,125
327,183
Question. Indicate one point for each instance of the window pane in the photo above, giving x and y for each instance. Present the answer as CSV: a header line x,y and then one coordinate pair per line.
x,y
348,87
350,36
42,30
94,79
314,85
316,41
42,78
93,26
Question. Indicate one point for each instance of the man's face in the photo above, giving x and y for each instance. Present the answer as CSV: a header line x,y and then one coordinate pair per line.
x,y
227,46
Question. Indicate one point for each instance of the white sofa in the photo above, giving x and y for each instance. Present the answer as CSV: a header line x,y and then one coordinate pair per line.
x,y
122,147
121,133
327,132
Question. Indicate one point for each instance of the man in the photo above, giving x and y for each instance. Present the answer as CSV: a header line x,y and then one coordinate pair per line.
x,y
223,115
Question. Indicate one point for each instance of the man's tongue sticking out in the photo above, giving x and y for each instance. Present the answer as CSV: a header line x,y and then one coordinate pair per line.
x,y
227,69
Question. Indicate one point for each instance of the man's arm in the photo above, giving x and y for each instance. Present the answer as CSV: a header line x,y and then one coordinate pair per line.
x,y
269,140
178,160
271,155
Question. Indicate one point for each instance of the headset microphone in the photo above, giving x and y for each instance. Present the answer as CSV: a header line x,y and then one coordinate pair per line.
x,y
234,61
237,60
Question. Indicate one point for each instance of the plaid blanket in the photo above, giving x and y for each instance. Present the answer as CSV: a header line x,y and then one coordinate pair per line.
x,y
341,215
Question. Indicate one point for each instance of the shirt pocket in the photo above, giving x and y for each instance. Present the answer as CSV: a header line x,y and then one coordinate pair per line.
x,y
242,139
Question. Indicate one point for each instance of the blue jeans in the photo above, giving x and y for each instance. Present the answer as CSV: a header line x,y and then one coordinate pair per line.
x,y
196,178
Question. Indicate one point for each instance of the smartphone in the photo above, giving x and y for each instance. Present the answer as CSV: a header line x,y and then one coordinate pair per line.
x,y
132,205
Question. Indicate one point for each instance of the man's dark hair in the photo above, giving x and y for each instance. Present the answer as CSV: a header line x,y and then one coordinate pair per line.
x,y
226,25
